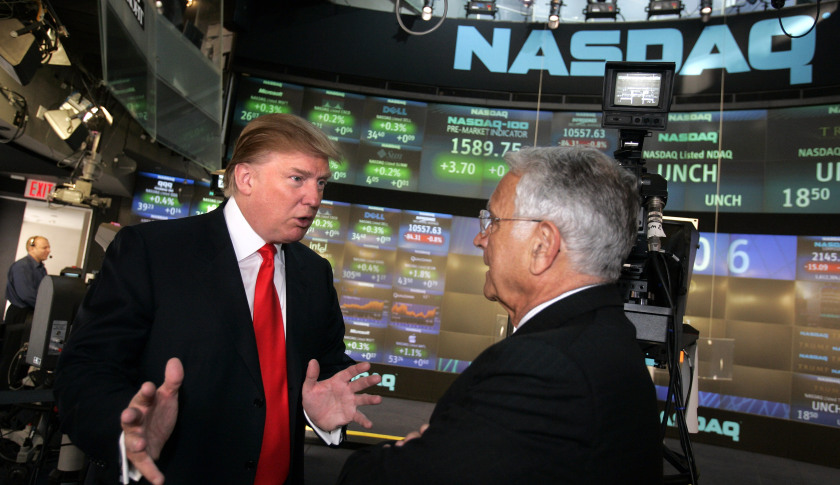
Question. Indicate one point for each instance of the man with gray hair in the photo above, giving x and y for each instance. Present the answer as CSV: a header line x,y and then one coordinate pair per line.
x,y
567,398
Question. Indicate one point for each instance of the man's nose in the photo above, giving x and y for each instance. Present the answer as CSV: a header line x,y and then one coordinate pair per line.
x,y
312,194
478,240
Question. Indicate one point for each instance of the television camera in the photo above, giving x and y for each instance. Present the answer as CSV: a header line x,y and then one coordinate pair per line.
x,y
656,274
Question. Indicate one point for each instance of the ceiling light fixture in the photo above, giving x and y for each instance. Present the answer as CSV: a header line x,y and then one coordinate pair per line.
x,y
554,13
601,9
705,10
428,8
664,7
476,7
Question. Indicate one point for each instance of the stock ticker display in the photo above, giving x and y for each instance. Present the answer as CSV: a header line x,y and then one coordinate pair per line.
x,y
159,196
394,272
768,311
723,161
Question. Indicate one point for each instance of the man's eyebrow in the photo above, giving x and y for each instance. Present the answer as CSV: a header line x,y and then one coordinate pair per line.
x,y
309,173
300,171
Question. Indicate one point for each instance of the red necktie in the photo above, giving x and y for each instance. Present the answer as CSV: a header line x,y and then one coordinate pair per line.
x,y
273,466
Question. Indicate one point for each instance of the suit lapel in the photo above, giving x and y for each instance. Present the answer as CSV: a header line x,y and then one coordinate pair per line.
x,y
296,304
225,285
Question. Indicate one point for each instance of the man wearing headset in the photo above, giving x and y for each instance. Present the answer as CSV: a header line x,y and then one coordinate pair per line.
x,y
22,283
24,277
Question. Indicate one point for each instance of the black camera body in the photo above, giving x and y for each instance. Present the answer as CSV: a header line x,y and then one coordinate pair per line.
x,y
656,274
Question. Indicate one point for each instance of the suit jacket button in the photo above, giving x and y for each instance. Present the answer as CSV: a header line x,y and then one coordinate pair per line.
x,y
251,465
259,402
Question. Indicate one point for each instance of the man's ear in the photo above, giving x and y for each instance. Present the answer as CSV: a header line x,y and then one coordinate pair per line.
x,y
243,177
546,243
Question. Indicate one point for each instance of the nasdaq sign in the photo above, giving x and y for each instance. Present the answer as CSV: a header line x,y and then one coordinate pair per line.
x,y
715,48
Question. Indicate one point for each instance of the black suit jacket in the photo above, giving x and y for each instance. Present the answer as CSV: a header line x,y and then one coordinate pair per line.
x,y
173,289
566,399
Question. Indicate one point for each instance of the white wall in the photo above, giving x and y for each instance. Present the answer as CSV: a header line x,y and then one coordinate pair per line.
x,y
66,228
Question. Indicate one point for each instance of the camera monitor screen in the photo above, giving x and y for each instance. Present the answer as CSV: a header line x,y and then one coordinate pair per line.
x,y
637,88
637,95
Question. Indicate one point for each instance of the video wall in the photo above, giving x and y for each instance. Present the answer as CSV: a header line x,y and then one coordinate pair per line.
x,y
409,284
713,161
768,311
400,144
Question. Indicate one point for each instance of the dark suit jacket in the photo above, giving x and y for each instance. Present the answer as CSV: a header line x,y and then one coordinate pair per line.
x,y
565,399
173,289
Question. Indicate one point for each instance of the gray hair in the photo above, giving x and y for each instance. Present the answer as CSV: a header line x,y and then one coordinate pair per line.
x,y
592,200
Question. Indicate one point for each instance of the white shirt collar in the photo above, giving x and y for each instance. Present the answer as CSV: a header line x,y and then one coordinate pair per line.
x,y
245,241
543,305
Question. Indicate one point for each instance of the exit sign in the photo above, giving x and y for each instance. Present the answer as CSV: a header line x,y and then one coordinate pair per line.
x,y
38,189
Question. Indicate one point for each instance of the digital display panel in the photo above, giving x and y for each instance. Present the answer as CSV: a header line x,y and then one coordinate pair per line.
x,y
390,143
708,168
746,256
816,399
394,121
332,221
775,300
388,166
818,259
464,146
161,197
815,351
637,88
205,198
336,113
257,97
582,128
713,161
374,226
394,270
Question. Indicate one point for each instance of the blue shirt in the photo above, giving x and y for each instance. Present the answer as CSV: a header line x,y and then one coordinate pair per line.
x,y
24,277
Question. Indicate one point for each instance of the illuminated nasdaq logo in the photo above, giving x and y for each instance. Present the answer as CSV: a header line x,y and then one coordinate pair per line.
x,y
715,48
731,429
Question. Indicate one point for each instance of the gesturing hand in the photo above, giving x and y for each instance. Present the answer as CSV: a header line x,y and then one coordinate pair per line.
x,y
333,402
149,419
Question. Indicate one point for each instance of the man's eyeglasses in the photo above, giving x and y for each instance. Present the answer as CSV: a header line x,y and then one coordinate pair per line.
x,y
486,219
